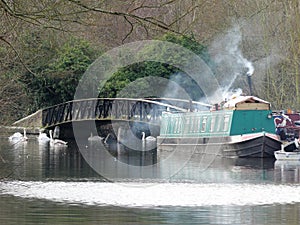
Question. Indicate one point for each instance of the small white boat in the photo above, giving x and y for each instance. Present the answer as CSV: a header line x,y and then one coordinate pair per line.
x,y
283,155
288,151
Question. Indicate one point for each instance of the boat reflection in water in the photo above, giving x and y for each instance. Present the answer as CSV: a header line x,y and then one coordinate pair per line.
x,y
117,162
96,161
287,171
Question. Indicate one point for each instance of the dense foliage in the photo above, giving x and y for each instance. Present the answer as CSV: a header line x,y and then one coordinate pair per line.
x,y
127,75
54,75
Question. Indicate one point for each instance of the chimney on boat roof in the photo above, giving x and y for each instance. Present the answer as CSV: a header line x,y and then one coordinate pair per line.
x,y
250,84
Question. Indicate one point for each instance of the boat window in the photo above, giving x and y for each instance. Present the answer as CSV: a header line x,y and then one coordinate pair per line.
x,y
226,122
197,124
177,127
194,124
169,125
187,125
219,123
174,123
165,126
212,123
204,121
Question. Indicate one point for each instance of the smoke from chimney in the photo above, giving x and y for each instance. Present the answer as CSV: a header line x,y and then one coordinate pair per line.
x,y
229,60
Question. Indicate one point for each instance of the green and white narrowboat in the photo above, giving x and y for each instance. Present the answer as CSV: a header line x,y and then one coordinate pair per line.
x,y
240,127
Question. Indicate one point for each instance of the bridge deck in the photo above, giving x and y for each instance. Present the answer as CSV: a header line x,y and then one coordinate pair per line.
x,y
146,110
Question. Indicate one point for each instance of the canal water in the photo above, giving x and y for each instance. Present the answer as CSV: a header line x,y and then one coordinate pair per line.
x,y
45,185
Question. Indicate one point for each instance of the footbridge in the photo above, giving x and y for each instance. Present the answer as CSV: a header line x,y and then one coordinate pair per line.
x,y
146,110
105,110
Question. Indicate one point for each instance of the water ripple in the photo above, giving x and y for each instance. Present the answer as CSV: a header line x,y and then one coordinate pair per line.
x,y
153,194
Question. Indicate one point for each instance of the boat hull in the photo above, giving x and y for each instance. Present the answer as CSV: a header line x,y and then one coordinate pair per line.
x,y
283,155
258,145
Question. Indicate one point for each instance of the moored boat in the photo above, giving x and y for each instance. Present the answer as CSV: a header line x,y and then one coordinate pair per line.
x,y
289,151
241,127
283,155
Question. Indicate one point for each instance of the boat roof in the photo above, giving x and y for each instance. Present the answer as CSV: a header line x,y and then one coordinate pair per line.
x,y
246,102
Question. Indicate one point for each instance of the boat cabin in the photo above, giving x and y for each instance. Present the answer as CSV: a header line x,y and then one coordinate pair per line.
x,y
241,115
247,103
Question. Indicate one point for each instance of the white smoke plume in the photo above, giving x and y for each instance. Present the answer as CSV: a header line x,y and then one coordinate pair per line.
x,y
230,62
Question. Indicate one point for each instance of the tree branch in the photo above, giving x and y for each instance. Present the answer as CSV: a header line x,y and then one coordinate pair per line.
x,y
149,20
142,6
18,55
131,29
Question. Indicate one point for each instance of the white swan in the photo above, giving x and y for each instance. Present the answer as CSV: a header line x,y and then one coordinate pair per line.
x,y
148,143
95,138
15,136
18,137
148,139
43,138
56,142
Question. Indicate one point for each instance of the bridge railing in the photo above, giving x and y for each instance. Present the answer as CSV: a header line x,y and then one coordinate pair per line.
x,y
147,110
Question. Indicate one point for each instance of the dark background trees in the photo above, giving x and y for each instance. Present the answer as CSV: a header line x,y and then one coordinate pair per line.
x,y
128,74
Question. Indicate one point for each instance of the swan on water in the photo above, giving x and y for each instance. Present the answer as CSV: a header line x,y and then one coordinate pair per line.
x,y
43,137
56,142
147,139
18,137
95,138
148,143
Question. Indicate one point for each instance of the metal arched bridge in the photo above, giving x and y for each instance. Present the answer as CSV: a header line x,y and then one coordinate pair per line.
x,y
143,110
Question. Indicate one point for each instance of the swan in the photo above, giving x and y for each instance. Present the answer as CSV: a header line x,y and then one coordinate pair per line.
x,y
15,136
147,139
94,138
43,138
148,143
56,142
18,137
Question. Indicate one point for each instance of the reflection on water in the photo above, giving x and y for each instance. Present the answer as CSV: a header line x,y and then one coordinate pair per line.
x,y
287,171
33,161
58,186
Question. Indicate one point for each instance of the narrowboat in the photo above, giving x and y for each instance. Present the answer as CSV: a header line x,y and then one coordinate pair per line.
x,y
241,127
